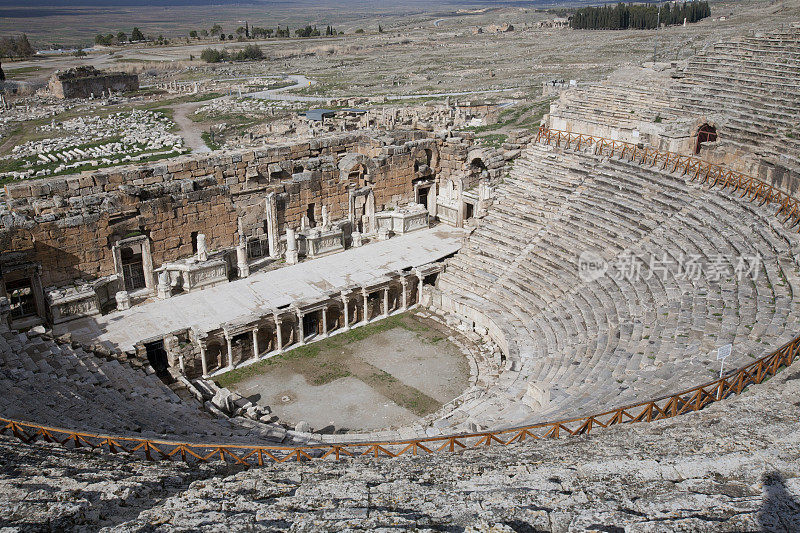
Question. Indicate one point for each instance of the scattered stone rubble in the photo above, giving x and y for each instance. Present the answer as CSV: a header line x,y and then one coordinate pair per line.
x,y
730,467
78,143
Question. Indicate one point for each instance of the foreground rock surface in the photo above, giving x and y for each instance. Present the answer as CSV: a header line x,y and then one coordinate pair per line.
x,y
731,467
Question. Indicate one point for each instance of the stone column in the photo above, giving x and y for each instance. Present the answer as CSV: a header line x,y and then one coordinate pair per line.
x,y
202,251
386,302
255,343
291,247
230,351
432,196
324,312
346,311
163,289
404,283
278,333
203,360
301,335
366,305
273,239
326,221
419,287
241,261
182,364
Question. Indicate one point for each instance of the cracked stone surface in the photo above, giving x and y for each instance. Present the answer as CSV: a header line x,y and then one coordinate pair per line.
x,y
731,467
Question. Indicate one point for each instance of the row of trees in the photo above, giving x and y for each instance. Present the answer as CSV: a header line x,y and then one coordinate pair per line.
x,y
250,52
15,46
638,16
246,32
122,37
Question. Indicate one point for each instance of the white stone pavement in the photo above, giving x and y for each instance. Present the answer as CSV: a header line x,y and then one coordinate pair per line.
x,y
263,291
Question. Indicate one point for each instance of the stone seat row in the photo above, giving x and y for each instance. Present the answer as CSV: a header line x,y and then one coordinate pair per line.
x,y
592,344
55,384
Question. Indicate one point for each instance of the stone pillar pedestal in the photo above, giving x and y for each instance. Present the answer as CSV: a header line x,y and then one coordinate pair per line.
x,y
346,311
202,251
123,300
272,226
301,334
291,248
241,261
383,234
356,236
203,361
163,288
255,344
278,334
230,351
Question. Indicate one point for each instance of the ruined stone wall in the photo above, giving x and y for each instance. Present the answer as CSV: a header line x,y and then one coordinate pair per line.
x,y
85,87
69,224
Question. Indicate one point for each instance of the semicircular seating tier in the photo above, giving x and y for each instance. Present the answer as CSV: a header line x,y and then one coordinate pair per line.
x,y
594,345
748,88
58,385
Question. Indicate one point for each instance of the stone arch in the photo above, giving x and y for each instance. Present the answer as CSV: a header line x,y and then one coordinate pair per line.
x,y
477,162
425,155
356,169
706,133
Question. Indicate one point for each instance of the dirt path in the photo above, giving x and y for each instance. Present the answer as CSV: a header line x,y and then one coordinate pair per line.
x,y
190,130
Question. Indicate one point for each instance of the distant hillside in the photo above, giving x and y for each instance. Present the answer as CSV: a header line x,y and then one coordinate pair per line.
x,y
126,3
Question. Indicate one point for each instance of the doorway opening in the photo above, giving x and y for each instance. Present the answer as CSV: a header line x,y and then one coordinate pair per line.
x,y
310,214
706,134
20,293
132,267
311,324
157,356
469,210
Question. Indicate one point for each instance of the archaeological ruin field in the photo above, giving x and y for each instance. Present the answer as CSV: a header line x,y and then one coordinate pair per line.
x,y
400,266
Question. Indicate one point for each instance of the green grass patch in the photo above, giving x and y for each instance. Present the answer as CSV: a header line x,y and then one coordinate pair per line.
x,y
310,351
330,372
212,144
23,70
494,140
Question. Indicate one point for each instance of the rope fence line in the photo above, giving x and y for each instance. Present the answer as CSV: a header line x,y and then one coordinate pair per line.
x,y
751,188
687,401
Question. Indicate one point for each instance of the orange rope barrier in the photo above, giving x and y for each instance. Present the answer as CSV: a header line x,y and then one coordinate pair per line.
x,y
687,401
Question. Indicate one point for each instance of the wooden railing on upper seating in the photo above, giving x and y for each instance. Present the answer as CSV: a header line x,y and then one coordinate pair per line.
x,y
696,168
686,401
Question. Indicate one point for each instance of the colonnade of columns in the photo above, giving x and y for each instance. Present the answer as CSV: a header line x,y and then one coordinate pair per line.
x,y
297,315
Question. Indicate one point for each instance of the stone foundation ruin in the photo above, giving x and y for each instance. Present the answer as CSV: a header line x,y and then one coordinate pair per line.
x,y
88,82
